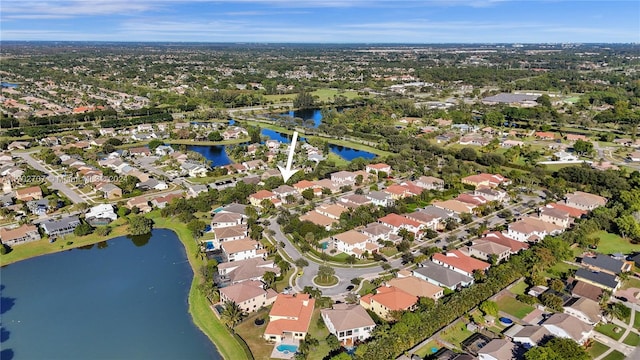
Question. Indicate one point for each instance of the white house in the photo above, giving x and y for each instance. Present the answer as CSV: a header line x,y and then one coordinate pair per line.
x,y
242,249
102,211
348,322
352,243
567,326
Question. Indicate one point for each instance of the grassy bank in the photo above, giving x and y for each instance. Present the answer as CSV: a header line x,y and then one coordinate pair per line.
x,y
206,143
199,307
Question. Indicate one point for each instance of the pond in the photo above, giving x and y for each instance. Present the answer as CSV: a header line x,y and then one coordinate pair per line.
x,y
125,298
217,154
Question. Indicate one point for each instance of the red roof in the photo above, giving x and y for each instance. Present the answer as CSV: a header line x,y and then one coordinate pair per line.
x,y
543,134
381,166
458,260
396,220
298,308
304,184
263,194
498,238
472,199
392,298
573,212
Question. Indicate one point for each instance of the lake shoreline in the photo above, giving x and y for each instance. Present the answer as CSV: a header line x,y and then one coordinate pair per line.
x,y
199,308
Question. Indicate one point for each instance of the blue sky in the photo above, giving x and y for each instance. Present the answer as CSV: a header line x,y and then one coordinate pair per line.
x,y
322,21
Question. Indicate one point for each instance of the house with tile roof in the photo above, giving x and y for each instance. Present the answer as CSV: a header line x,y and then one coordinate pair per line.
x,y
584,309
457,261
567,326
350,323
417,287
499,238
441,276
230,233
430,183
530,335
378,231
532,229
397,222
243,249
380,198
573,212
249,295
555,216
243,270
427,221
584,201
484,249
498,349
455,206
289,317
376,168
258,197
487,180
225,219
20,235
30,193
387,299
398,192
353,243
316,218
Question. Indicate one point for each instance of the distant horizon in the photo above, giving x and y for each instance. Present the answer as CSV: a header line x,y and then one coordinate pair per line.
x,y
323,21
315,43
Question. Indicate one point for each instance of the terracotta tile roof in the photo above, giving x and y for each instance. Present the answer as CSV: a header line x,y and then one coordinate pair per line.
x,y
380,166
396,220
304,184
236,246
416,287
584,289
454,205
458,260
573,212
498,238
297,308
351,237
19,232
393,298
317,218
243,291
347,317
263,194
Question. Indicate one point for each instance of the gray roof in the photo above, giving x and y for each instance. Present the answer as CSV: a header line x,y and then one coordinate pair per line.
x,y
51,225
604,262
602,278
441,213
378,195
510,98
441,274
235,208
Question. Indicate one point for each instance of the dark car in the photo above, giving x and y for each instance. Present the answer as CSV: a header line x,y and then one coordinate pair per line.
x,y
350,287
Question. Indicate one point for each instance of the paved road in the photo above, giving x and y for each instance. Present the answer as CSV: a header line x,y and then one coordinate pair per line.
x,y
56,180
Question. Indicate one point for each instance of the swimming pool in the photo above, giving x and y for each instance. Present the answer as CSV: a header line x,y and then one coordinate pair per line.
x,y
286,349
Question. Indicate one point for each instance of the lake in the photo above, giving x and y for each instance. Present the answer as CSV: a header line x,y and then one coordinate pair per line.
x,y
216,153
306,114
120,299
345,152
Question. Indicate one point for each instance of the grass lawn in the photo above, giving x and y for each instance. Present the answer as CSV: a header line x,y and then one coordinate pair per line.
x,y
281,284
636,321
277,98
389,251
519,288
456,334
367,287
514,307
607,329
597,349
325,282
252,335
631,282
427,349
614,355
559,269
337,159
327,94
319,331
612,243
632,339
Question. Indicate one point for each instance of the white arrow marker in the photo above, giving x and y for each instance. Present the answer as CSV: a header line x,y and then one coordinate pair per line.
x,y
288,172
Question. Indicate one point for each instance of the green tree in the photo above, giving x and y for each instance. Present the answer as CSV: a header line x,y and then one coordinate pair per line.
x,y
231,314
628,227
140,225
269,278
333,342
83,229
558,349
196,227
551,301
583,147
489,308
307,194
325,272
301,262
303,100
153,144
214,136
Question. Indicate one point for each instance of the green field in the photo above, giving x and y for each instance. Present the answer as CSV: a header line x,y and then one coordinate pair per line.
x,y
519,288
597,349
318,330
614,355
252,334
324,95
612,243
427,349
367,287
559,269
514,307
636,321
632,339
607,329
631,282
456,333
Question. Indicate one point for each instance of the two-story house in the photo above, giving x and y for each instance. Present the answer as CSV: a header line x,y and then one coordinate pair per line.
x,y
289,317
248,295
350,323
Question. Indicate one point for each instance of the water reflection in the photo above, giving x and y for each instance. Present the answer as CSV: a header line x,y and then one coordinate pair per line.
x,y
140,240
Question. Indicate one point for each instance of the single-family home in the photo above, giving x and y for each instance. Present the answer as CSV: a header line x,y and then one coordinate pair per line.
x,y
584,309
586,290
484,179
350,323
101,214
60,227
491,194
162,201
30,193
230,233
20,235
584,201
417,287
353,201
109,191
194,169
567,326
244,270
455,206
427,221
499,238
243,249
606,264
634,156
140,202
457,261
248,295
576,137
378,231
441,276
498,349
316,218
485,250
530,336
387,299
542,135
225,219
430,183
353,243
397,222
602,280
377,168
163,150
532,229
140,151
257,198
380,198
283,191
398,192
289,317
343,178
195,190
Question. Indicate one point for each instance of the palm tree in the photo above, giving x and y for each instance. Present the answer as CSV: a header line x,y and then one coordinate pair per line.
x,y
232,314
269,278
